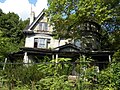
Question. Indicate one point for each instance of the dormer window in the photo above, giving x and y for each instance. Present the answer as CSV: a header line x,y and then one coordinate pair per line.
x,y
43,26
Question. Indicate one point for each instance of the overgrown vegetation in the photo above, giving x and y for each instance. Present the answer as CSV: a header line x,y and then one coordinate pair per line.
x,y
64,75
56,76
67,16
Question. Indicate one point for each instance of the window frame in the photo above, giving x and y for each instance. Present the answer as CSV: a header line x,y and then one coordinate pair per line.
x,y
43,26
41,44
77,42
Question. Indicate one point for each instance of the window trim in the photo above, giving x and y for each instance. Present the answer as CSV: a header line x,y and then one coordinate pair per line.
x,y
43,26
37,42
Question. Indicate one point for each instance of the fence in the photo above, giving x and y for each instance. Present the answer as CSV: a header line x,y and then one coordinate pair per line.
x,y
50,76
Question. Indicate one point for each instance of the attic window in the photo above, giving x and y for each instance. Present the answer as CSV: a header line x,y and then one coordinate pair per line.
x,y
43,26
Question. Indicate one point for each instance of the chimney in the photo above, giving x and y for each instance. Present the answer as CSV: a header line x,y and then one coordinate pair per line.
x,y
32,16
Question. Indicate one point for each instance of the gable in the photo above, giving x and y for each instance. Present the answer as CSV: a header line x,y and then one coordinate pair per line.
x,y
37,19
40,25
34,26
68,48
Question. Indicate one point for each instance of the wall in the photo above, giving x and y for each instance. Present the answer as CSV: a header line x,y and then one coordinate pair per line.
x,y
29,42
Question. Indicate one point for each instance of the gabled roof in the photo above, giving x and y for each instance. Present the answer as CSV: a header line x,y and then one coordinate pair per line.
x,y
30,27
67,48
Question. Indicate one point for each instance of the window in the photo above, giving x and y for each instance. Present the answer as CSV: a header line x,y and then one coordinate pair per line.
x,y
35,42
43,26
78,42
41,42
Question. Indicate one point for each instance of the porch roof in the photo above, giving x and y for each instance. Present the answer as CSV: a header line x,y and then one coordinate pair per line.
x,y
67,50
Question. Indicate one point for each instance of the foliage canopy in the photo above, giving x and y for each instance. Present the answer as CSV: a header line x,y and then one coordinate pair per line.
x,y
11,36
67,15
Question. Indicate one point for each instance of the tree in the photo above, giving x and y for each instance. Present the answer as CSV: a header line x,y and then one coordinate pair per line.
x,y
1,12
112,26
12,26
67,15
108,79
6,46
11,36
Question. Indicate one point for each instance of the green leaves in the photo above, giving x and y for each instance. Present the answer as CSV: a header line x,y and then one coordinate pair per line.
x,y
11,36
54,76
55,83
109,78
67,14
116,56
6,46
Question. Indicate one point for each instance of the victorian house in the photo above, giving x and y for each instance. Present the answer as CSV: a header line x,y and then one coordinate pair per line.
x,y
40,42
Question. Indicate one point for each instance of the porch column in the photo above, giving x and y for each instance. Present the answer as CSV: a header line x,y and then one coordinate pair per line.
x,y
5,63
25,58
110,59
56,58
53,57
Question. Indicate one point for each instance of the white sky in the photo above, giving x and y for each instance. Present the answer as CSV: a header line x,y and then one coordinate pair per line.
x,y
23,7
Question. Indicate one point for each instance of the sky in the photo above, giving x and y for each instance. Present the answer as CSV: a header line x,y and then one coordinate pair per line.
x,y
23,7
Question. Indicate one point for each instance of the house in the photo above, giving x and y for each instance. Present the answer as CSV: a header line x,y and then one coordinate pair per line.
x,y
40,42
